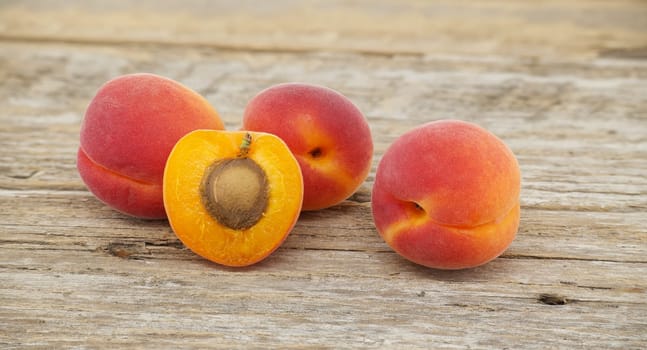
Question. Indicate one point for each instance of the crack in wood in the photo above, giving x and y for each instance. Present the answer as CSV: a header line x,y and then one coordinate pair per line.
x,y
636,53
553,299
24,176
242,47
127,250
540,257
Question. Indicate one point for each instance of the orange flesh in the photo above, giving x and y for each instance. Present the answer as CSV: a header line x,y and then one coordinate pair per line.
x,y
198,229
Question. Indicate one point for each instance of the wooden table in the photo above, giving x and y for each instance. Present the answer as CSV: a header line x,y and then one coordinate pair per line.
x,y
563,83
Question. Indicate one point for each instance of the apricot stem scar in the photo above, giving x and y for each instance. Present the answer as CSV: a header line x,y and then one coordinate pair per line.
x,y
316,152
245,145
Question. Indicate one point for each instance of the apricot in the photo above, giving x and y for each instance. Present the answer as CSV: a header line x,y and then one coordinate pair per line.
x,y
232,197
128,131
325,131
446,195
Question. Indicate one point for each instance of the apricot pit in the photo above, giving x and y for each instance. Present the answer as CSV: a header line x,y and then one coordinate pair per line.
x,y
234,191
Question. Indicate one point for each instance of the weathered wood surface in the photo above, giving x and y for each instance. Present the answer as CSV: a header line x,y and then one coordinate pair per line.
x,y
564,84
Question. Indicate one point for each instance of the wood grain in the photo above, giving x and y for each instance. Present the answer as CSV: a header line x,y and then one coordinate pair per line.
x,y
563,84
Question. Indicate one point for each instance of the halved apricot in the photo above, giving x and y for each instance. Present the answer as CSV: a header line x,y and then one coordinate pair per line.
x,y
232,197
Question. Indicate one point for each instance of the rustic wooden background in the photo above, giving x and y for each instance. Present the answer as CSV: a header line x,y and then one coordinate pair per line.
x,y
563,83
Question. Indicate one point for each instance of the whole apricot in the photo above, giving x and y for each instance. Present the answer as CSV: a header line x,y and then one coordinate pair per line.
x,y
325,131
446,195
128,131
232,197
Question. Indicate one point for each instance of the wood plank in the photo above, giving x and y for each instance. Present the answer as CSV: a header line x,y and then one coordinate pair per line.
x,y
578,136
555,28
39,219
196,301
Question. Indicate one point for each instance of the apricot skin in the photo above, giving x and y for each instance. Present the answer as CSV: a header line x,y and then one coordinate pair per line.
x,y
325,131
446,195
128,131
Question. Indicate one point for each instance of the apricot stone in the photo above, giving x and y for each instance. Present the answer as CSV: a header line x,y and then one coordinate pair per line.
x,y
325,131
446,195
129,129
234,191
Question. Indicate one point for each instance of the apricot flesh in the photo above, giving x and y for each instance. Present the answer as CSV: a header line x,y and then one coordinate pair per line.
x,y
326,132
128,131
213,193
446,195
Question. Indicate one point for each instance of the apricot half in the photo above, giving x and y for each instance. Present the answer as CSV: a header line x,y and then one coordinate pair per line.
x,y
446,195
232,197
